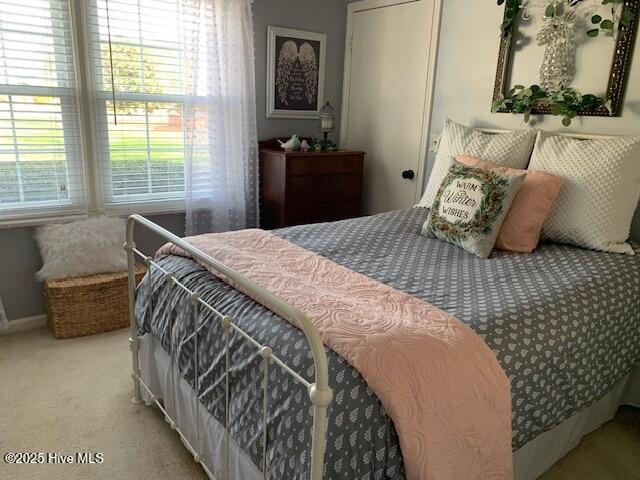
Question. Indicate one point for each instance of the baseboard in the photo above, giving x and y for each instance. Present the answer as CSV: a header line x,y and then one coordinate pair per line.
x,y
26,323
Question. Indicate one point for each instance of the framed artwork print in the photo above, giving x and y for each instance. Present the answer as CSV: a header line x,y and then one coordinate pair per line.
x,y
295,73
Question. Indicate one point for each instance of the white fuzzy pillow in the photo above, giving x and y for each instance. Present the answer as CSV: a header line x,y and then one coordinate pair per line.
x,y
601,189
84,247
508,149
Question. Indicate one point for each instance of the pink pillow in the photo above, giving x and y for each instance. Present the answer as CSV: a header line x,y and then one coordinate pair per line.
x,y
521,228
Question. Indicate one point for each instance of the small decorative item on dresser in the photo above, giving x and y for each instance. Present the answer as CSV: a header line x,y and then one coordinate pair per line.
x,y
327,124
327,120
88,305
308,187
291,145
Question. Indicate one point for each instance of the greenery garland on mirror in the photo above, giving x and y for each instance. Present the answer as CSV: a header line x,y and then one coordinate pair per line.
x,y
566,102
601,25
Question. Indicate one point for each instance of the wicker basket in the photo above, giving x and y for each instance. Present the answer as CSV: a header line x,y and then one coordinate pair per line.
x,y
88,305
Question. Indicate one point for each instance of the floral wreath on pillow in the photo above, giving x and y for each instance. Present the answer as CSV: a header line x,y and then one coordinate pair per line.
x,y
494,190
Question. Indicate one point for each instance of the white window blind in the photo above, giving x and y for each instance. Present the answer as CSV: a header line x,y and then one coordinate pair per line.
x,y
41,170
142,156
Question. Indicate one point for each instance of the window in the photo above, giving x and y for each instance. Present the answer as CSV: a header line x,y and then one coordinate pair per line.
x,y
134,153
141,155
41,169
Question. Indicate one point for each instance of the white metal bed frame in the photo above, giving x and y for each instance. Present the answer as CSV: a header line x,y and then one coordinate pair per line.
x,y
320,393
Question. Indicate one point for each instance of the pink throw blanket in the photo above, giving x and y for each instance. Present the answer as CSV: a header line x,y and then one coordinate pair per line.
x,y
439,382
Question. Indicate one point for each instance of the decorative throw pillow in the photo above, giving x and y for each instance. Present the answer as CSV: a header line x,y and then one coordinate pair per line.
x,y
520,231
84,247
470,207
509,149
601,192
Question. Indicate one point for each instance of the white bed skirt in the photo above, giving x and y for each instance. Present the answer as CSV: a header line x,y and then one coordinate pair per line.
x,y
538,455
530,461
158,374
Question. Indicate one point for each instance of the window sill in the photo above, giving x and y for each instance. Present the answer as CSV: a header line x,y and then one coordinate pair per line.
x,y
40,220
123,210
162,207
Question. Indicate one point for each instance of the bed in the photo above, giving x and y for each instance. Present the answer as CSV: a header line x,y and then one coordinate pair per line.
x,y
564,324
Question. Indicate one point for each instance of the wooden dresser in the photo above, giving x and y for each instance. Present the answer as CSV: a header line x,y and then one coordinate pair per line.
x,y
298,188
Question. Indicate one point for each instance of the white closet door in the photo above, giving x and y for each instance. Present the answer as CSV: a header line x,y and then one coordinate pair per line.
x,y
387,88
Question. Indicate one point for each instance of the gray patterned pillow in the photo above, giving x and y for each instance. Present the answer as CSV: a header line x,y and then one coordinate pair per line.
x,y
470,206
507,149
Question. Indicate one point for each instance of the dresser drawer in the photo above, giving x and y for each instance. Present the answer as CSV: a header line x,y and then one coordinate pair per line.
x,y
313,165
302,213
325,188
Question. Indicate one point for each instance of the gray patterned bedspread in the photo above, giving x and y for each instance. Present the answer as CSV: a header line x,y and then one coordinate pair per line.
x,y
564,324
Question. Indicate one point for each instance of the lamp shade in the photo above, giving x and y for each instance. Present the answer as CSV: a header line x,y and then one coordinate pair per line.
x,y
327,117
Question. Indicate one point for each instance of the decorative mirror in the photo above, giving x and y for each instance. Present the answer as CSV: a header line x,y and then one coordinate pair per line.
x,y
565,57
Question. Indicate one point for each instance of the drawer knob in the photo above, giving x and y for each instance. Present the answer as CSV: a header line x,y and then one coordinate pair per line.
x,y
408,174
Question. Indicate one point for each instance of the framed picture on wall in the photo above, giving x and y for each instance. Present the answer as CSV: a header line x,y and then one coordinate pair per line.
x,y
295,73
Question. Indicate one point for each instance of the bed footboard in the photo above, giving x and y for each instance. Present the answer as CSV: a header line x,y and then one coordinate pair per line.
x,y
320,394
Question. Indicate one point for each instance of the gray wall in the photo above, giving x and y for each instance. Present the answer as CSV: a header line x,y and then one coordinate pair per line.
x,y
19,257
323,16
467,59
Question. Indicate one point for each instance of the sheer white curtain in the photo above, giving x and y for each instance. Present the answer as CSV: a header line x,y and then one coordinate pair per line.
x,y
4,323
220,115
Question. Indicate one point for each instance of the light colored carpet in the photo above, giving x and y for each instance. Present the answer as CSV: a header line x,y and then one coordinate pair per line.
x,y
74,395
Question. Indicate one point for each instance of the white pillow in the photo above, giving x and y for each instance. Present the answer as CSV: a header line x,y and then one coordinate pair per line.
x,y
601,189
84,247
509,149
